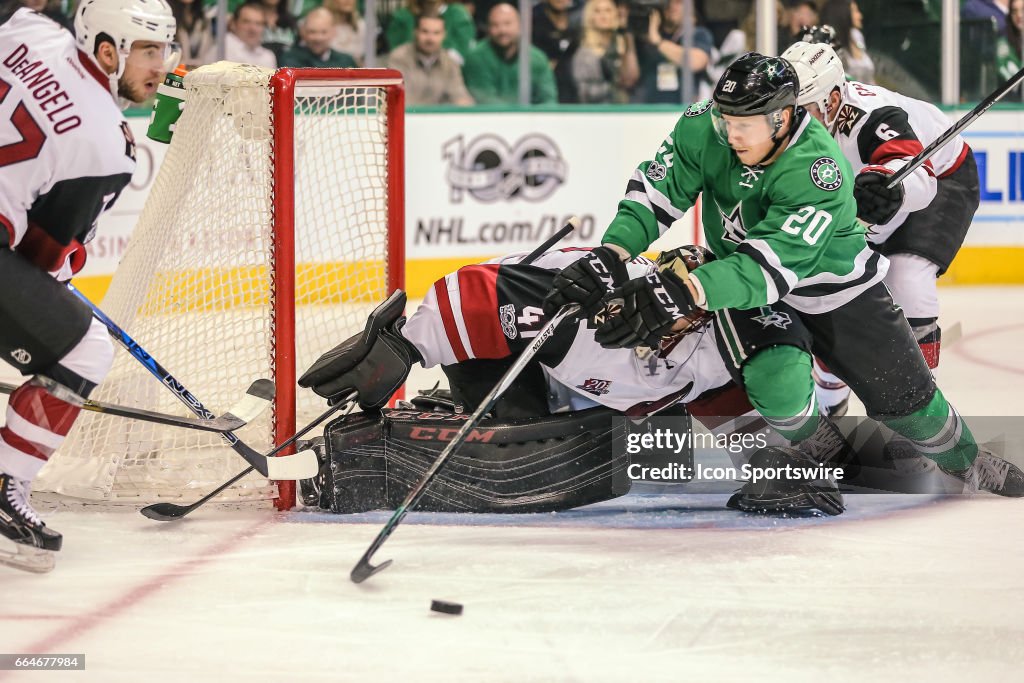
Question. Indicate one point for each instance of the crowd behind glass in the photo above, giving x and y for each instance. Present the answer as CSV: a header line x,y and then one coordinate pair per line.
x,y
606,52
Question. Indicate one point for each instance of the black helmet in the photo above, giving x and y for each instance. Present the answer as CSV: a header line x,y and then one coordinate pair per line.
x,y
755,84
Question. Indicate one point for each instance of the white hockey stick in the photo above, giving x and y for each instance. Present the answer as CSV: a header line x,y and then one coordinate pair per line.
x,y
257,399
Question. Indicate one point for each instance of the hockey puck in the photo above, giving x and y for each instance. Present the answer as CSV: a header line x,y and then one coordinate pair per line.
x,y
446,607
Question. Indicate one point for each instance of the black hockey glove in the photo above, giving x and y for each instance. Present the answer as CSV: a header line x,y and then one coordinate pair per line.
x,y
876,203
651,305
586,282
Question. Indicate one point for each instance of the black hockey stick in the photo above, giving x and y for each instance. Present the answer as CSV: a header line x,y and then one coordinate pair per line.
x,y
302,465
965,120
570,225
168,512
363,569
258,398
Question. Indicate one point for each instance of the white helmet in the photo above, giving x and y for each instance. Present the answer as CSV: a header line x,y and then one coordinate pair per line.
x,y
127,21
819,70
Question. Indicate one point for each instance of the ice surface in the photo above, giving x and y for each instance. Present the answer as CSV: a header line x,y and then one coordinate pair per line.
x,y
646,588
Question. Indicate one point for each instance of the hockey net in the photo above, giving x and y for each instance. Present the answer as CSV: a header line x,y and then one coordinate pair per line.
x,y
272,230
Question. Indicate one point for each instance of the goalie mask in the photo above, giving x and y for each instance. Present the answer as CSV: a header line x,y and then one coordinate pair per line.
x,y
820,72
753,92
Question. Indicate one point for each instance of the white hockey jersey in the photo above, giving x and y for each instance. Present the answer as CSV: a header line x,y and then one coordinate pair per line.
x,y
483,311
66,152
876,126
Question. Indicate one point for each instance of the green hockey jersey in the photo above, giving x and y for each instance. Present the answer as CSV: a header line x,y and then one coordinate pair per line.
x,y
786,231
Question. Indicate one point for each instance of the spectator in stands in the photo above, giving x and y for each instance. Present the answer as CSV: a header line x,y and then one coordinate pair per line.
x,y
492,67
556,32
801,14
316,32
983,9
431,75
195,34
722,16
300,8
282,28
662,58
458,25
604,67
845,17
243,42
1008,49
350,36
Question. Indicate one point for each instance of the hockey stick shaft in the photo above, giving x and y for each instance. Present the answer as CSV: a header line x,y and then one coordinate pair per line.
x,y
225,423
570,225
363,569
951,133
166,512
254,458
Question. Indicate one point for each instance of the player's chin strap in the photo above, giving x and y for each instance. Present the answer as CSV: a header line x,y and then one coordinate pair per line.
x,y
798,113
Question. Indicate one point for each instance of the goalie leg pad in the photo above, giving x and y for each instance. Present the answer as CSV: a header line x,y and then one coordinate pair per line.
x,y
375,362
507,466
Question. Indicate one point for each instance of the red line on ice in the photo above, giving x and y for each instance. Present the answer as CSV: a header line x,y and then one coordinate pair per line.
x,y
961,349
81,624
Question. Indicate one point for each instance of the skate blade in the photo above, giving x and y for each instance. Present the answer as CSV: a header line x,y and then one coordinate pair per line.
x,y
26,558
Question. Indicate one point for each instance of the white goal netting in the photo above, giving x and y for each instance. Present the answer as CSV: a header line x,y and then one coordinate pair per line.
x,y
199,286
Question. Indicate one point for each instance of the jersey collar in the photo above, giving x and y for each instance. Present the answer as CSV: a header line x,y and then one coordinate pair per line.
x,y
94,70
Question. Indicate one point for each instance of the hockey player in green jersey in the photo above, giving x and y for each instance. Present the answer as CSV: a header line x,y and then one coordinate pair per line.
x,y
794,275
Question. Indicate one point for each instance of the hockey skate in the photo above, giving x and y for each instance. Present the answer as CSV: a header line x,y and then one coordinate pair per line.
x,y
30,544
990,473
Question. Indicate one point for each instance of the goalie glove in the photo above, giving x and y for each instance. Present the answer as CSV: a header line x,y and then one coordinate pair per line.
x,y
876,203
651,307
586,282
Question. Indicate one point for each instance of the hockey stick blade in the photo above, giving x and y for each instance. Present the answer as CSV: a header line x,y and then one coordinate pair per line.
x,y
258,397
364,570
301,465
225,423
168,512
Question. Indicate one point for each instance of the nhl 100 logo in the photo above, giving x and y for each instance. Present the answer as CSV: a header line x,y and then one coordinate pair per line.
x,y
490,169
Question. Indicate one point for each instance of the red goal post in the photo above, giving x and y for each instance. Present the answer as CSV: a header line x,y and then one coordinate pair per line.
x,y
283,88
274,226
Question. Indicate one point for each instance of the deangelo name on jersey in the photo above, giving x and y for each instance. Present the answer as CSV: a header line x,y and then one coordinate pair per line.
x,y
50,95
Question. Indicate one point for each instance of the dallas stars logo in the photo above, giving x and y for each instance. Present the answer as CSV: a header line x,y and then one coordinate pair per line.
x,y
825,174
732,224
770,318
750,175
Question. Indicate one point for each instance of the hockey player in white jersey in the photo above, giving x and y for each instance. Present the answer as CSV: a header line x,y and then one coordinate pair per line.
x,y
919,224
66,153
455,327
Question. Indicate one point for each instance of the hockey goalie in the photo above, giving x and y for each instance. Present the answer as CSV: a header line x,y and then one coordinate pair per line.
x,y
548,442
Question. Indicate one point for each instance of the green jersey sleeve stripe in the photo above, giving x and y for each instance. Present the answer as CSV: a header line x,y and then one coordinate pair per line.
x,y
653,199
778,278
